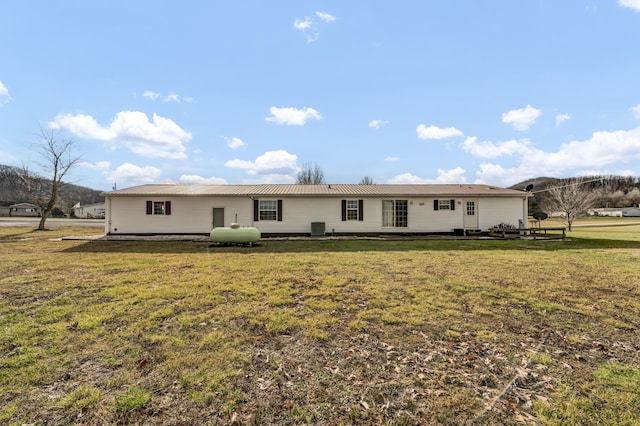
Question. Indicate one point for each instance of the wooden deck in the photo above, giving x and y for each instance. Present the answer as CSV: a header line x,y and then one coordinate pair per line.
x,y
552,232
548,232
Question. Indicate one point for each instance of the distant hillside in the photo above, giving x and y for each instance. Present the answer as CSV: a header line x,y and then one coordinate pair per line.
x,y
613,191
12,191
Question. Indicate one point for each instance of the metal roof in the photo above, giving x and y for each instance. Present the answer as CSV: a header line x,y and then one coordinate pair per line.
x,y
322,190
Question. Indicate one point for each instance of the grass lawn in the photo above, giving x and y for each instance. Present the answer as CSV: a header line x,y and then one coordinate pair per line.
x,y
320,332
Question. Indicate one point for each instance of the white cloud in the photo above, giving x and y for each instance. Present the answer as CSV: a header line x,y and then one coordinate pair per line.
x,y
561,118
521,119
171,97
309,25
234,143
486,149
126,174
599,152
306,27
175,98
4,94
631,4
434,132
270,163
602,149
326,17
407,179
451,176
636,109
498,175
100,166
391,159
375,124
199,180
129,174
444,176
151,95
160,138
302,24
292,116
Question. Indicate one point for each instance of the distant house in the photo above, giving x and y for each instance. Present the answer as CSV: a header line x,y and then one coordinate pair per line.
x,y
616,212
313,209
631,212
606,211
24,209
89,211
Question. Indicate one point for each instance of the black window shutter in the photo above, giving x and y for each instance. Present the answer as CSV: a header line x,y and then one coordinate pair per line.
x,y
279,210
344,210
167,207
360,210
256,215
149,207
453,204
435,204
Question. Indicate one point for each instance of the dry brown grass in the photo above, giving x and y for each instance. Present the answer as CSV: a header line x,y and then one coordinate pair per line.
x,y
319,332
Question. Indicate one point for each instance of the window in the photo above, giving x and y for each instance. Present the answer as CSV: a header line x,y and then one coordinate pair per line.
x,y
444,204
267,210
471,208
352,210
159,207
394,213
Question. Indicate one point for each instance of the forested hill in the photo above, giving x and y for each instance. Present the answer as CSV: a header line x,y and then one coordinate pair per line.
x,y
12,191
611,190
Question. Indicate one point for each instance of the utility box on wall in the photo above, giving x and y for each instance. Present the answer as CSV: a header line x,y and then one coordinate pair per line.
x,y
317,229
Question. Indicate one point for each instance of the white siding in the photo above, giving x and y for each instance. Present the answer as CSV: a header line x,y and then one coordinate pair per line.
x,y
494,211
194,214
189,215
298,213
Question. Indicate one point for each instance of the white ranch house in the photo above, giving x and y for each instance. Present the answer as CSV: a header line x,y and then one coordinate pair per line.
x,y
89,211
291,209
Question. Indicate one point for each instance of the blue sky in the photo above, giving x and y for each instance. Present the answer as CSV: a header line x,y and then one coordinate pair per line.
x,y
431,91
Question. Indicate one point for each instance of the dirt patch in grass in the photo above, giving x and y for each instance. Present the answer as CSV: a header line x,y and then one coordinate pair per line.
x,y
344,332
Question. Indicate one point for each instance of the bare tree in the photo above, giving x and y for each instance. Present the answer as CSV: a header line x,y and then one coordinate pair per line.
x,y
310,174
367,180
572,198
633,197
56,160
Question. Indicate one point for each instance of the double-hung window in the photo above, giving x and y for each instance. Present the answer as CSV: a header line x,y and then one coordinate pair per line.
x,y
352,210
395,214
444,204
159,207
267,210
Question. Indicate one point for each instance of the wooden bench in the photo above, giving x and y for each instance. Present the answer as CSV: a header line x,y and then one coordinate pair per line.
x,y
548,232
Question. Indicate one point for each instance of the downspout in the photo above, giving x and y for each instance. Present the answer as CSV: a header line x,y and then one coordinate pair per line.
x,y
251,210
107,200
